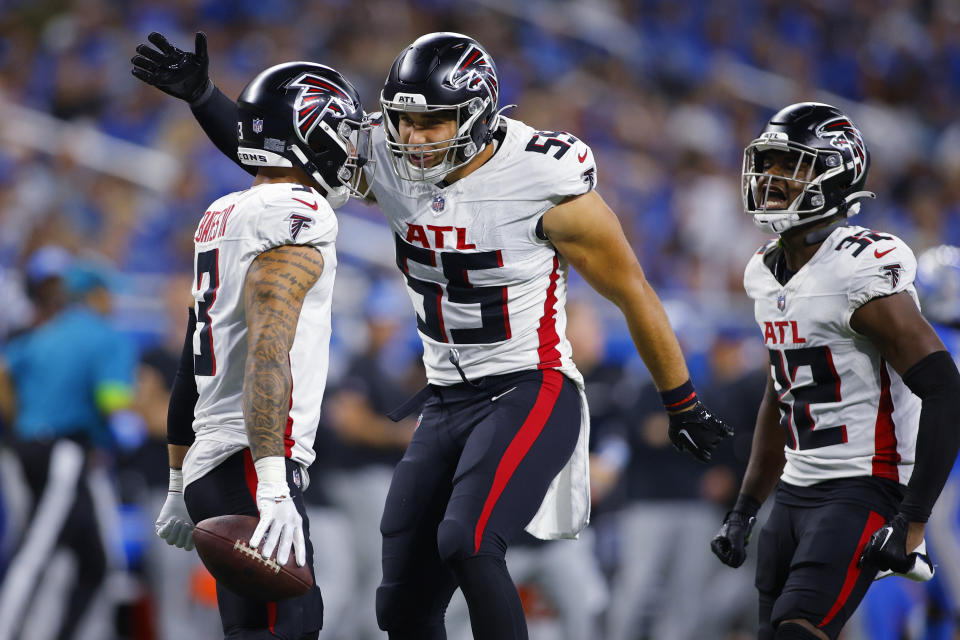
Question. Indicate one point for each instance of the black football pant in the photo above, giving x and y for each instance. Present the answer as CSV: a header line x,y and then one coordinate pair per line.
x,y
473,476
64,517
231,488
808,563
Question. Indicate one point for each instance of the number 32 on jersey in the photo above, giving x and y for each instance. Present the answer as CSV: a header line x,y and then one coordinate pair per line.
x,y
806,377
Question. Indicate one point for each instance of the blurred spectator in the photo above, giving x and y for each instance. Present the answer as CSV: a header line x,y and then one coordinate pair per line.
x,y
69,374
367,446
669,521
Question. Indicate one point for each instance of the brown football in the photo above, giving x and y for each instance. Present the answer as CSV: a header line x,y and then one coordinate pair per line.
x,y
223,545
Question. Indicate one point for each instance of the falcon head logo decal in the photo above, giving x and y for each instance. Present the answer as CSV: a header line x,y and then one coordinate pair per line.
x,y
892,271
475,71
841,134
318,96
589,177
299,222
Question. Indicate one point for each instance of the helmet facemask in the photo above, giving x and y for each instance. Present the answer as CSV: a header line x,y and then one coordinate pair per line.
x,y
808,168
354,139
409,159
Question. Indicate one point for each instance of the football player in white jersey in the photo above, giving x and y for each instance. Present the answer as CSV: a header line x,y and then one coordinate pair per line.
x,y
857,427
487,214
258,351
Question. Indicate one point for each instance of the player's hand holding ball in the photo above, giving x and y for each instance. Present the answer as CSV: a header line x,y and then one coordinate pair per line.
x,y
280,521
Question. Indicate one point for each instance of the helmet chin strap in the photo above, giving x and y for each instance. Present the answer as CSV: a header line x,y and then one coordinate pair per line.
x,y
849,207
336,197
820,234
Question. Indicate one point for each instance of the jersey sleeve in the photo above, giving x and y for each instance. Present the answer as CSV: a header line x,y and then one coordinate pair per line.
x,y
886,267
559,165
292,214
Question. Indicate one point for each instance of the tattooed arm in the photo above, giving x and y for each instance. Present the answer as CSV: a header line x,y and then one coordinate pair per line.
x,y
273,293
275,287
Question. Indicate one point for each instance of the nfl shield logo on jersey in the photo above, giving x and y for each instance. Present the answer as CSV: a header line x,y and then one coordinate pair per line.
x,y
258,125
782,301
438,204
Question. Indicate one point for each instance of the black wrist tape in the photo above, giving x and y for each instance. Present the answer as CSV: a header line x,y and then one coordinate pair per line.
x,y
683,397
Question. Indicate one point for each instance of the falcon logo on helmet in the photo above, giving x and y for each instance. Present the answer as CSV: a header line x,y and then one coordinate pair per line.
x,y
475,72
841,133
317,97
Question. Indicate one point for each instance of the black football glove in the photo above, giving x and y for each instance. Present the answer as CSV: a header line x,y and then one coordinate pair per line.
x,y
887,551
179,73
730,544
697,431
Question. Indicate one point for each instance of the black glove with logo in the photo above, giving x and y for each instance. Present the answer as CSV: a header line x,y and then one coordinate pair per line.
x,y
887,551
730,544
697,431
176,72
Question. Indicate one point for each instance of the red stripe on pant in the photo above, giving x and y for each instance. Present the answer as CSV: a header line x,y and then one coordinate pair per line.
x,y
250,475
874,522
519,446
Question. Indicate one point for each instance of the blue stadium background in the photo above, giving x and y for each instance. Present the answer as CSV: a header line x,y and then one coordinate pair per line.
x,y
666,92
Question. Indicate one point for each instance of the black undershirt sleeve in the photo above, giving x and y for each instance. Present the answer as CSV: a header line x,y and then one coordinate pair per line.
x,y
217,115
936,381
183,396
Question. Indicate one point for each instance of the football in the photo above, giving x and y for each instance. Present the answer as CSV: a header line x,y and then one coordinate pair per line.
x,y
223,546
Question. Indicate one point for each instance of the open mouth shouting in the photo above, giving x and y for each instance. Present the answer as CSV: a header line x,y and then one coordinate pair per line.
x,y
776,195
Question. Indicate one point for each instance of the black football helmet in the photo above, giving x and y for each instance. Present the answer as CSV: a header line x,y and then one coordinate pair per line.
x,y
306,115
442,72
830,161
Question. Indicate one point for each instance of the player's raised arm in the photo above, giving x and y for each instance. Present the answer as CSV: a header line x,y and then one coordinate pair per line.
x,y
763,471
184,75
588,234
911,346
275,287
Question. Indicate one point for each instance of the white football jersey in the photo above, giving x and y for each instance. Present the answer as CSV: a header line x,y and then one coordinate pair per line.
x,y
233,232
485,281
846,412
482,279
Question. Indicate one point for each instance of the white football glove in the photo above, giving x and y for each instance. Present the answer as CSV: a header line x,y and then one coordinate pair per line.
x,y
174,524
279,519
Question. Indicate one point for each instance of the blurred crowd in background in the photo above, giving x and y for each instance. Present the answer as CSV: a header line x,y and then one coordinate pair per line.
x,y
666,92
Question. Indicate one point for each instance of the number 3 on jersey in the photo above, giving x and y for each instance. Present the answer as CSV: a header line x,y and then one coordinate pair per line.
x,y
823,386
455,266
205,363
